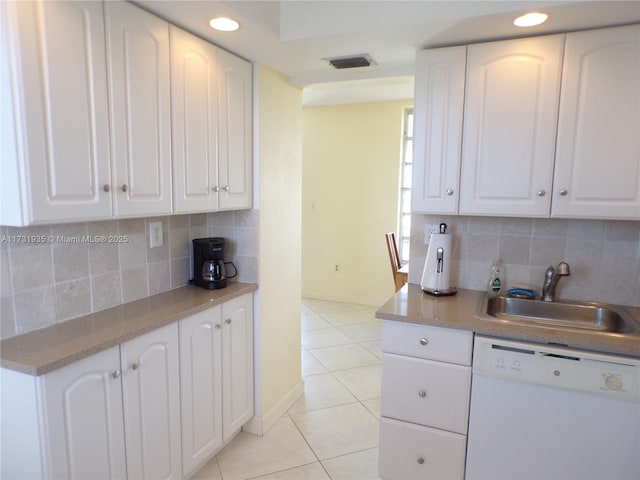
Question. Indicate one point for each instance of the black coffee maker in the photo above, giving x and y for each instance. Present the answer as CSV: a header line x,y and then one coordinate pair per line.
x,y
208,263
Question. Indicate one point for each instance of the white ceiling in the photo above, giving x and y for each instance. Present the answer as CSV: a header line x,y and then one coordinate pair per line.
x,y
293,36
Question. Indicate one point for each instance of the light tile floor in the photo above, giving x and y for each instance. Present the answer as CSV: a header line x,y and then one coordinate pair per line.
x,y
331,433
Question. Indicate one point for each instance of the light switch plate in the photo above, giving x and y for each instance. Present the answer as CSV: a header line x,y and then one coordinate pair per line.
x,y
155,235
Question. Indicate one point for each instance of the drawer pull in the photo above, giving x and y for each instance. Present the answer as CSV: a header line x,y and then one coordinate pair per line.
x,y
422,394
420,460
423,341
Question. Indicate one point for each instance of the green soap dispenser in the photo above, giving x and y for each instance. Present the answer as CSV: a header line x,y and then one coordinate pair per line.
x,y
496,279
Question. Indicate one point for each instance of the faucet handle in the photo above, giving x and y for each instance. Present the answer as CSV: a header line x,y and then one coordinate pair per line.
x,y
563,269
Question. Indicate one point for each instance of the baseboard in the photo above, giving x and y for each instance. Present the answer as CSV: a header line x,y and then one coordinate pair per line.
x,y
337,297
261,425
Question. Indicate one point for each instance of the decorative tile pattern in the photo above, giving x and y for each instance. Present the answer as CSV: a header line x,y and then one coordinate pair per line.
x,y
67,276
604,255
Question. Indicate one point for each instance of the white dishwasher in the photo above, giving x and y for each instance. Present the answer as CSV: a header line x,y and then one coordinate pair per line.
x,y
546,412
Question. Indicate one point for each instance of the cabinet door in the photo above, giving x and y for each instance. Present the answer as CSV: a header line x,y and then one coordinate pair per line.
x,y
510,119
235,132
138,52
194,89
409,451
201,387
83,418
597,172
237,363
151,397
54,77
439,101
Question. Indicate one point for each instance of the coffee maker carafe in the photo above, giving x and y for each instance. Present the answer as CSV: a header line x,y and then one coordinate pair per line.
x,y
208,263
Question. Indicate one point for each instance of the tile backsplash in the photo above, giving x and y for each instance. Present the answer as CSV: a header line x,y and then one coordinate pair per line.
x,y
66,275
604,256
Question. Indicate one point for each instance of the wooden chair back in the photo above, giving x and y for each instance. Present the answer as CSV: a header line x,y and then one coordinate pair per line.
x,y
392,247
399,279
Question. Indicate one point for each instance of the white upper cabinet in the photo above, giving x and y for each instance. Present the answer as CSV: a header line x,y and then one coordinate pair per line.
x,y
597,170
55,132
510,119
212,126
235,94
439,100
87,119
194,73
139,79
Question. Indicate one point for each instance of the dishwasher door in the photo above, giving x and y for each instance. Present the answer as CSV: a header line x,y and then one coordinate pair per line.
x,y
540,412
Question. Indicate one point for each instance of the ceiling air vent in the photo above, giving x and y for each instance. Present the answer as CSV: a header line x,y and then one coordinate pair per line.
x,y
351,61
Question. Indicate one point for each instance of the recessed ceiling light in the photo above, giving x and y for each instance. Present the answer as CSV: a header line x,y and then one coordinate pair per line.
x,y
530,19
224,24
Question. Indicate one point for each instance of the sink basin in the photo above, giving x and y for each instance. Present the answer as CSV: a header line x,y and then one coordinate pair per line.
x,y
595,317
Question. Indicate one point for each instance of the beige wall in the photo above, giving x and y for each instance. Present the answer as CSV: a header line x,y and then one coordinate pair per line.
x,y
350,164
279,155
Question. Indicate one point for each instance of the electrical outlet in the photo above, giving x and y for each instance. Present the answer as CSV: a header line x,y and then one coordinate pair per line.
x,y
428,230
155,235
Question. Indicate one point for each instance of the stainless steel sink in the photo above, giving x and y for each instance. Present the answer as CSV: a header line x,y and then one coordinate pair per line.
x,y
584,316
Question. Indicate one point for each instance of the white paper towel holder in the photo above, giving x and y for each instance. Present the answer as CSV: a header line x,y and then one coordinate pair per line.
x,y
439,263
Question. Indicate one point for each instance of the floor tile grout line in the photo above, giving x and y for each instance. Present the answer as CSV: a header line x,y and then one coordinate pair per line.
x,y
350,453
310,447
286,469
337,456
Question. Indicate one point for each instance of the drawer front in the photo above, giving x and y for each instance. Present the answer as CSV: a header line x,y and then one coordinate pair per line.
x,y
423,341
429,393
410,451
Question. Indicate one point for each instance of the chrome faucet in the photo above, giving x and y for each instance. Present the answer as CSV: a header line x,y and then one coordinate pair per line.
x,y
551,277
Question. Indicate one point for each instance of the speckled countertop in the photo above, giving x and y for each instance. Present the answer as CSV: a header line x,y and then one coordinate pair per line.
x,y
47,349
411,305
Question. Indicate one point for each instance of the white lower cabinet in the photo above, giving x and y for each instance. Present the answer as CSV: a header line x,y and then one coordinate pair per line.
x,y
424,411
83,427
216,368
137,410
123,402
409,451
151,398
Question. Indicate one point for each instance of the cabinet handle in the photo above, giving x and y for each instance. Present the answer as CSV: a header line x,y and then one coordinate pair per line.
x,y
218,326
115,374
215,189
423,341
541,193
134,366
563,191
106,187
226,188
420,460
124,188
228,321
422,394
449,191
